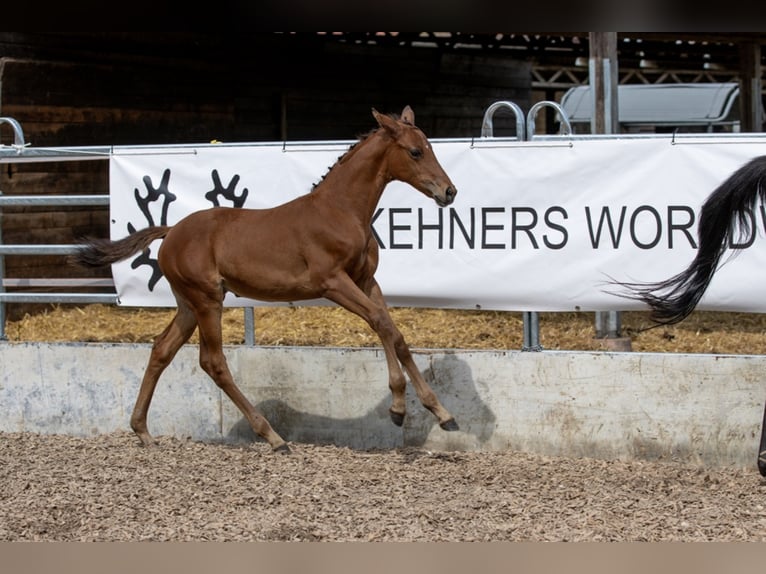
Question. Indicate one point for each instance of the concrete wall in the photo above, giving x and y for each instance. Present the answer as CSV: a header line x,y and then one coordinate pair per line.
x,y
705,409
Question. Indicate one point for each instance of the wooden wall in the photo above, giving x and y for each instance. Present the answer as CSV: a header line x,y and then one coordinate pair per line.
x,y
145,88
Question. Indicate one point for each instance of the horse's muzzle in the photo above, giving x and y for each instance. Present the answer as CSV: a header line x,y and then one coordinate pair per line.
x,y
449,197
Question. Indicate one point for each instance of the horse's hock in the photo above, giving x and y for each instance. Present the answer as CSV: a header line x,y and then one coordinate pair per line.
x,y
705,409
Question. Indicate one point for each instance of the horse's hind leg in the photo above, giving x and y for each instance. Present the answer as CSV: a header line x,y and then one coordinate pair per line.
x,y
213,361
165,347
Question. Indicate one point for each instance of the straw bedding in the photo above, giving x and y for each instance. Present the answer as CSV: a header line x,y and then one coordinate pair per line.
x,y
108,488
703,332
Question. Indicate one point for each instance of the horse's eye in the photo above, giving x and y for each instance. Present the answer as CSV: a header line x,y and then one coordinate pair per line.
x,y
416,153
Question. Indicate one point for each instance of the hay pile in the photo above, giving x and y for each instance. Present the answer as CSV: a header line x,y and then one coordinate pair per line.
x,y
703,332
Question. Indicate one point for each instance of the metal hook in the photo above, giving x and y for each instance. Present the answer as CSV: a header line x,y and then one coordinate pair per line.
x,y
18,133
566,126
487,129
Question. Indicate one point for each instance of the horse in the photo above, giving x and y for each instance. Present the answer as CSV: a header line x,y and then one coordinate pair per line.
x,y
318,245
726,211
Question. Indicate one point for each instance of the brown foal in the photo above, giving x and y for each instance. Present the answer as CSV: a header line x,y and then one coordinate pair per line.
x,y
317,245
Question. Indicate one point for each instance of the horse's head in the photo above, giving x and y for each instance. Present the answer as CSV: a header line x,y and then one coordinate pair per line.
x,y
412,160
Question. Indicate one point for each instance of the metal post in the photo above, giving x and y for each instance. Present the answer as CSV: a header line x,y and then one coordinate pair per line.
x,y
531,331
750,100
249,326
602,69
603,77
529,318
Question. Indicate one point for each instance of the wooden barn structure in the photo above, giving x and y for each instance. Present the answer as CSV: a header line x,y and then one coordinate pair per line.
x,y
128,88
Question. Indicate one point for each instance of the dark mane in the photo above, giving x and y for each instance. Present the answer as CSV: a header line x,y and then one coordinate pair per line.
x,y
341,159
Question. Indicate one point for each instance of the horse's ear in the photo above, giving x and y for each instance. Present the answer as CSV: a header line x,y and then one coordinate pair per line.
x,y
386,122
408,116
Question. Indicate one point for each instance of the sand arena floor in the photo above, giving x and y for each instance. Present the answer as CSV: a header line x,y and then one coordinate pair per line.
x,y
108,488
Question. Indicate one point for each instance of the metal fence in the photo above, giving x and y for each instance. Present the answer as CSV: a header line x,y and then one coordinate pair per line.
x,y
20,152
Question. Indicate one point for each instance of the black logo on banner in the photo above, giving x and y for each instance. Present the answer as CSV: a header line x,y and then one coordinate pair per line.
x,y
162,197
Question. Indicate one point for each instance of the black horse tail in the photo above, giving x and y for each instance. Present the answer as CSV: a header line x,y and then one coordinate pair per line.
x,y
727,210
102,252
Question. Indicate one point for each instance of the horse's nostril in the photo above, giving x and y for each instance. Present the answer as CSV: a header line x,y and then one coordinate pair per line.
x,y
451,192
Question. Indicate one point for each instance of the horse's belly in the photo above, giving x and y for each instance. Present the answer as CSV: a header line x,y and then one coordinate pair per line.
x,y
272,286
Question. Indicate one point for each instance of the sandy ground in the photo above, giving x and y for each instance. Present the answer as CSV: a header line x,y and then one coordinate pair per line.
x,y
108,488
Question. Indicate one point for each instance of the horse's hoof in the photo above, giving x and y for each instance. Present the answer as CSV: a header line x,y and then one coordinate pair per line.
x,y
397,418
762,463
283,448
148,441
449,425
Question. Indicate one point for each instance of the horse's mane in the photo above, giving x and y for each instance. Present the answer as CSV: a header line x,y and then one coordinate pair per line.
x,y
346,156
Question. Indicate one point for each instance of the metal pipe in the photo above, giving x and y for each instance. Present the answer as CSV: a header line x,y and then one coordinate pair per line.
x,y
20,249
105,298
531,332
18,133
53,200
487,127
249,326
566,126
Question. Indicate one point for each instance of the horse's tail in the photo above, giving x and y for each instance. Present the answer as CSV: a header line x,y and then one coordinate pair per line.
x,y
725,211
102,252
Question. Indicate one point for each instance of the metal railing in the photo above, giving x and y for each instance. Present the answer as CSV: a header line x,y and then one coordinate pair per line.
x,y
20,152
68,249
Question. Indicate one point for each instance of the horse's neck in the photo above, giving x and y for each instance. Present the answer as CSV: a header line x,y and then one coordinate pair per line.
x,y
358,179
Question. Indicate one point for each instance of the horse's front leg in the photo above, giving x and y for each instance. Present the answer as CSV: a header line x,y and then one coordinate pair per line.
x,y
426,395
397,383
373,309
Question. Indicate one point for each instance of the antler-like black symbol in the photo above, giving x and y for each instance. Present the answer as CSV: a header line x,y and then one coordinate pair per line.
x,y
226,192
152,195
146,259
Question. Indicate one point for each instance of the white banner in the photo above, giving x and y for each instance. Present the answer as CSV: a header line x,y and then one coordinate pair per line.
x,y
536,226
